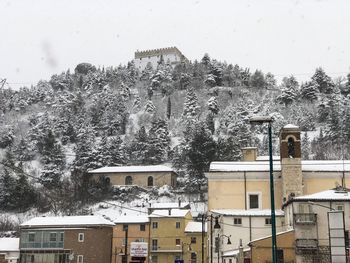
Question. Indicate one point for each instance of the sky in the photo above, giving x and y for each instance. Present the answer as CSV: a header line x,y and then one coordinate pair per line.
x,y
39,38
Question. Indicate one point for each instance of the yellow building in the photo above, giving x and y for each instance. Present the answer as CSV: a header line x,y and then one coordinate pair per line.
x,y
129,229
196,236
143,176
261,248
168,240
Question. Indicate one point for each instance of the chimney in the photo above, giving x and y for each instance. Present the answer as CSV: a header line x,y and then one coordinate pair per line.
x,y
249,154
179,199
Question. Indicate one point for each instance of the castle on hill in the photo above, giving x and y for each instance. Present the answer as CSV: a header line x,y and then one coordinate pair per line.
x,y
170,55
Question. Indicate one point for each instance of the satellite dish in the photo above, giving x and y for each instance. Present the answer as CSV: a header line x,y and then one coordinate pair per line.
x,y
71,256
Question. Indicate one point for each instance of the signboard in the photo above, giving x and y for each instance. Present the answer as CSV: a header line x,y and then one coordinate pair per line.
x,y
138,249
337,236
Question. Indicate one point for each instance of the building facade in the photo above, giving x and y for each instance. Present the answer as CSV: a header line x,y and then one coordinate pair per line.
x,y
129,229
245,185
142,176
308,215
170,55
196,236
70,239
168,239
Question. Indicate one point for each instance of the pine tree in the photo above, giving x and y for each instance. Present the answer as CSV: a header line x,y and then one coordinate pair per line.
x,y
7,190
309,91
191,107
257,80
149,107
139,147
305,146
168,108
324,82
213,106
289,91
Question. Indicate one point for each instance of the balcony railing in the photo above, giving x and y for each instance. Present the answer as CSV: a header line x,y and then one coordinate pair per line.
x,y
306,244
305,218
160,249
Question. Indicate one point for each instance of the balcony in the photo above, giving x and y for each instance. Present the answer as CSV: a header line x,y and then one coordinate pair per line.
x,y
305,218
304,245
166,249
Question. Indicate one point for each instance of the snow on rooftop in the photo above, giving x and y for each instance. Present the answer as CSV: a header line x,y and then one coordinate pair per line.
x,y
9,244
131,219
267,158
328,195
173,213
195,227
67,221
133,169
261,166
238,212
169,205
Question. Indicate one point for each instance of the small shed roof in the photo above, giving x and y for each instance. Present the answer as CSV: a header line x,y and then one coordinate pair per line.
x,y
133,169
8,244
243,213
195,227
170,213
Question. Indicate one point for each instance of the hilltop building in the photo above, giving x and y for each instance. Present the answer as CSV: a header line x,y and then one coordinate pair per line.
x,y
245,185
170,55
142,176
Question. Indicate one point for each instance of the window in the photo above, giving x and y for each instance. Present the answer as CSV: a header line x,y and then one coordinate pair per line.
x,y
142,227
140,240
253,201
128,180
291,148
193,257
154,259
150,181
230,260
81,237
339,207
154,244
154,224
178,225
193,240
61,236
53,237
178,241
31,237
80,259
237,221
268,221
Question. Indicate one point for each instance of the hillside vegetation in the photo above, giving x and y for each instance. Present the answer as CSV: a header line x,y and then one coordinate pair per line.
x,y
52,133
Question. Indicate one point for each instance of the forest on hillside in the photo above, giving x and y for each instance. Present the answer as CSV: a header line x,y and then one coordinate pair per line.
x,y
52,133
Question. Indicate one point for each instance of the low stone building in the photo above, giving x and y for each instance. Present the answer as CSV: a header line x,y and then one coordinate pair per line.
x,y
9,250
143,176
69,239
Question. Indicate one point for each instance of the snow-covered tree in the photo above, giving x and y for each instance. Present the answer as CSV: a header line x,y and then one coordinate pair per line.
x,y
323,81
191,107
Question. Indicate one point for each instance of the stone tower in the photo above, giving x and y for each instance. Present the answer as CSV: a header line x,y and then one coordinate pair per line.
x,y
291,170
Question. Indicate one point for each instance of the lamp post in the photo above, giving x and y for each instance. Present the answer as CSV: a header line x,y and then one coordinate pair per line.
x,y
218,244
216,226
269,120
125,227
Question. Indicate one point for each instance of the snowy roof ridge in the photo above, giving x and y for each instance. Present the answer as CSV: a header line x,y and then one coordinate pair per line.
x,y
9,244
133,169
170,213
195,227
132,219
60,221
254,166
242,212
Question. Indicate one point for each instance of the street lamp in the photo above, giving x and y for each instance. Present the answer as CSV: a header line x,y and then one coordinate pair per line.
x,y
218,244
260,120
126,228
216,226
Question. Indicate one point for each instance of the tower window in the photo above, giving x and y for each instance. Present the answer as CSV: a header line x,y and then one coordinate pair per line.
x,y
128,180
291,148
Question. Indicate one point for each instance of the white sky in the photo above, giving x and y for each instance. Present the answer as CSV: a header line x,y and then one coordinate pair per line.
x,y
39,38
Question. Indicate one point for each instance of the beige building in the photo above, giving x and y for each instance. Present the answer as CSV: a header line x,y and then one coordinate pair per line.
x,y
170,55
69,239
245,185
142,176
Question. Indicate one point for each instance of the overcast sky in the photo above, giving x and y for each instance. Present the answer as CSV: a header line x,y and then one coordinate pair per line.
x,y
43,37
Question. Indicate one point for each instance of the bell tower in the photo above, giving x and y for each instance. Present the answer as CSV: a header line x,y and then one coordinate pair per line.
x,y
291,170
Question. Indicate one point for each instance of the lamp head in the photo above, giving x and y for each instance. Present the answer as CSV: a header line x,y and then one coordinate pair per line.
x,y
260,119
228,241
217,225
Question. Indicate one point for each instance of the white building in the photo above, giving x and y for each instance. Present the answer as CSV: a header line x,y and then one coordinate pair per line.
x,y
309,215
242,226
170,55
9,250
